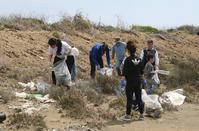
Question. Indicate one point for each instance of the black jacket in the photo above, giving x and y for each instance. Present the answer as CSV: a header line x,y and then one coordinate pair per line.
x,y
133,69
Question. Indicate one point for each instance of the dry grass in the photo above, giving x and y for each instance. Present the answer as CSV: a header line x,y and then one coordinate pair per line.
x,y
6,95
107,84
185,72
23,120
71,100
118,103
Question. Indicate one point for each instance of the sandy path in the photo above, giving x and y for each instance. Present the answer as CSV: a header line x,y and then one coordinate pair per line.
x,y
186,119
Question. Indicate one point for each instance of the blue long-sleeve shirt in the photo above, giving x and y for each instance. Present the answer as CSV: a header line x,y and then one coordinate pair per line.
x,y
96,54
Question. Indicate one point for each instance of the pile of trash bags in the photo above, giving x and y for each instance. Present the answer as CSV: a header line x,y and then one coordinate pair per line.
x,y
155,104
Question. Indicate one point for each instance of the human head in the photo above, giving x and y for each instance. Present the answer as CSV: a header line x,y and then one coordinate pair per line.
x,y
131,47
150,58
150,44
104,47
52,42
117,39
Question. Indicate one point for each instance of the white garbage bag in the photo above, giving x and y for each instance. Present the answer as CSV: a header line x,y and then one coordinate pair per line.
x,y
62,73
173,98
152,104
106,71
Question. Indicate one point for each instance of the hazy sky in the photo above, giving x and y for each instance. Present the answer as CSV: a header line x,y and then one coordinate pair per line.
x,y
158,13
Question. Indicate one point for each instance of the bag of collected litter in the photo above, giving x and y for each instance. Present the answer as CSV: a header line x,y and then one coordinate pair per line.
x,y
62,73
172,99
152,105
106,71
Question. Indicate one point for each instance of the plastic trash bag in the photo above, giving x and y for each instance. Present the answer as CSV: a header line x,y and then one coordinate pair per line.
x,y
62,73
152,104
172,99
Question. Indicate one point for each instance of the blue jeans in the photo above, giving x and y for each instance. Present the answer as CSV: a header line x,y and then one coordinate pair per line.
x,y
73,72
118,66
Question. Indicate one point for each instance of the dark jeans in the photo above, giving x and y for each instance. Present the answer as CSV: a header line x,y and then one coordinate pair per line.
x,y
56,59
130,89
71,66
93,66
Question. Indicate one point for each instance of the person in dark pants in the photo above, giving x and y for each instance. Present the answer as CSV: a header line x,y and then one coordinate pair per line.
x,y
95,56
133,73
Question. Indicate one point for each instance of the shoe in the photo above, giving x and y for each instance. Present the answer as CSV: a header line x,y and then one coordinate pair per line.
x,y
126,118
141,118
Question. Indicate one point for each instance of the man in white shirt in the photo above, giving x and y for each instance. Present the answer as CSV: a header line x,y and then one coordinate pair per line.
x,y
150,50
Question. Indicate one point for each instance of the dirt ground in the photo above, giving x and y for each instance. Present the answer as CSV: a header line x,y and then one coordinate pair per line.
x,y
183,120
24,57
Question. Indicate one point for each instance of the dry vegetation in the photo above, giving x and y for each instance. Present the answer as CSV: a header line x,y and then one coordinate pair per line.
x,y
23,62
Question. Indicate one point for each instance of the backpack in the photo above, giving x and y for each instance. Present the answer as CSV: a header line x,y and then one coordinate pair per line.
x,y
146,53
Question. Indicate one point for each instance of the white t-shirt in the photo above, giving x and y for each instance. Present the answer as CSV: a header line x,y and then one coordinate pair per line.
x,y
66,49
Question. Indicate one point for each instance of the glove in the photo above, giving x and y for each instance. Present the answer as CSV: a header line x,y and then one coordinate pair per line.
x,y
122,83
110,66
98,67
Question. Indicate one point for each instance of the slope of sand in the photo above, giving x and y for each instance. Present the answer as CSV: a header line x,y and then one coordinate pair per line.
x,y
21,50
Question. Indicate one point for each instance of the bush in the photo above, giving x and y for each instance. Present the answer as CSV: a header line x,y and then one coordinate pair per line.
x,y
189,28
184,73
107,84
148,29
81,23
23,120
118,103
71,100
6,95
16,22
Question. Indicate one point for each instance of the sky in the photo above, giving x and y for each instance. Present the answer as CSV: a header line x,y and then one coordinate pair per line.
x,y
157,13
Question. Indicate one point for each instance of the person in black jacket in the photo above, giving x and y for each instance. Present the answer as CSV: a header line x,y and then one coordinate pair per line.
x,y
133,73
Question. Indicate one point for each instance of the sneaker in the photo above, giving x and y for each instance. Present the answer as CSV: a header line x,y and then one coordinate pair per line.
x,y
126,118
141,118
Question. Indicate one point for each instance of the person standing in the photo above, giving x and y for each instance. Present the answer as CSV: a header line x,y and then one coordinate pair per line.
x,y
118,50
95,56
133,73
150,50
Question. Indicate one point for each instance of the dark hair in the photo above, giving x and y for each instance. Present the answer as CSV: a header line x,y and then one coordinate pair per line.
x,y
52,41
150,41
131,47
150,56
57,42
104,47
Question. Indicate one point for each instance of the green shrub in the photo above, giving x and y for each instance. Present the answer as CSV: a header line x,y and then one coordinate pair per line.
x,y
148,29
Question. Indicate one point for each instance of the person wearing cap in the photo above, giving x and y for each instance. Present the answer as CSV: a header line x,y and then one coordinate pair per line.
x,y
95,56
150,50
118,50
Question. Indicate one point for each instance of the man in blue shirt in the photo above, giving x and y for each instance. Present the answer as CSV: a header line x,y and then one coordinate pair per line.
x,y
96,54
118,50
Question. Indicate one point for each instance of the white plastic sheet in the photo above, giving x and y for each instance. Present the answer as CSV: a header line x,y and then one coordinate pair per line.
x,y
173,98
